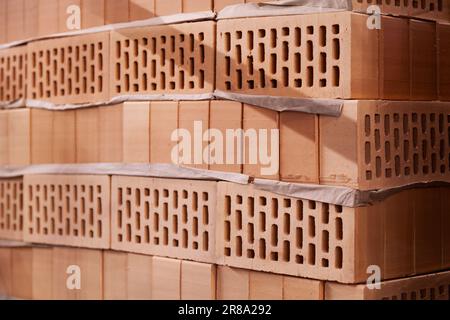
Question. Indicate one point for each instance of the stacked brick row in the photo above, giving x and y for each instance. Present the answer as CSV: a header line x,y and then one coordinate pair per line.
x,y
148,238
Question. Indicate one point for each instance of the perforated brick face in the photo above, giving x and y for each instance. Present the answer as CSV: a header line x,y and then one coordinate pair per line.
x,y
69,70
11,209
13,70
263,231
163,59
172,218
67,210
404,143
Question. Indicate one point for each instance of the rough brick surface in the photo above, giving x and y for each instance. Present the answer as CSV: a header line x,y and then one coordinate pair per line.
x,y
385,144
13,73
172,218
19,137
427,287
116,11
22,273
69,70
67,210
87,135
11,209
141,9
92,13
164,120
31,16
41,136
5,272
111,134
163,59
198,281
166,279
136,132
48,17
42,265
15,27
266,232
64,137
322,55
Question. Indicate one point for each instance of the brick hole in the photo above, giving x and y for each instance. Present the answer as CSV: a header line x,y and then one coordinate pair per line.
x,y
441,123
397,166
273,63
250,40
147,234
184,214
239,246
251,233
325,241
299,259
262,249
311,254
387,151
377,140
227,206
287,223
416,163
325,213
205,241
312,227
338,258
239,79
339,229
397,138
227,252
424,149
274,235
262,221
367,152
274,208
238,54
310,76
423,294
120,196
335,29
165,236
156,222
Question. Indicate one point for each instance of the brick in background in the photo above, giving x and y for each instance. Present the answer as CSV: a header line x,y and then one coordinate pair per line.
x,y
191,115
42,129
19,137
266,232
67,210
426,287
11,209
166,278
240,284
22,273
92,13
90,263
141,9
136,132
127,276
299,147
167,8
325,55
116,11
64,137
15,26
69,70
13,73
87,135
377,145
5,272
220,4
172,218
164,119
163,59
423,52
197,5
198,281
42,273
227,115
395,63
31,16
4,157
444,61
48,17
256,119
3,9
111,134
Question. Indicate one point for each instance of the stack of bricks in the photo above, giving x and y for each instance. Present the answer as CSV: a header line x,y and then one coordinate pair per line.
x,y
157,238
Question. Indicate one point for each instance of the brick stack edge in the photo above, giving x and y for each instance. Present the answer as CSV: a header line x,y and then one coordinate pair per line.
x,y
153,238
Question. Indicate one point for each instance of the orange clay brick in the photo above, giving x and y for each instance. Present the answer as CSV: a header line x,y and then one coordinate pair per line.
x,y
240,284
92,13
5,272
15,26
19,137
87,135
31,16
163,59
299,147
426,287
163,122
3,24
115,275
116,11
141,9
197,5
11,209
67,210
220,4
444,61
171,218
42,264
266,232
136,132
227,115
22,273
90,263
64,137
4,157
111,134
48,17
166,279
322,55
198,281
69,70
377,145
166,8
41,136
